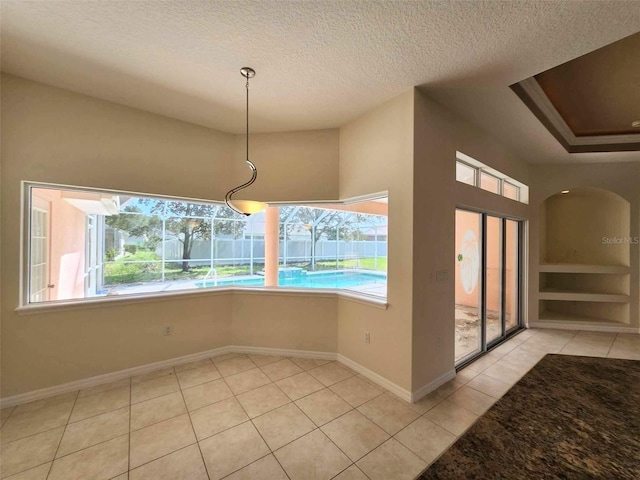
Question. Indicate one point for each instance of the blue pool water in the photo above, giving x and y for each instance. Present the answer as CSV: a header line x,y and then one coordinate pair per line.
x,y
337,279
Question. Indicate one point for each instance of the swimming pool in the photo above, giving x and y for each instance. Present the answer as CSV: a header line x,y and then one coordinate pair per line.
x,y
332,279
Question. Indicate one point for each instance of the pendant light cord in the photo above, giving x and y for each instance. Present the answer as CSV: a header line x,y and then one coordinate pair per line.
x,y
247,72
247,118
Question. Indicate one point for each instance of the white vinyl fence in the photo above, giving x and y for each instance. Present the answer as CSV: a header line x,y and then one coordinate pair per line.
x,y
228,251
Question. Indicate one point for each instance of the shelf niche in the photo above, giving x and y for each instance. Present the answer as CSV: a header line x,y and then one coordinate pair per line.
x,y
585,257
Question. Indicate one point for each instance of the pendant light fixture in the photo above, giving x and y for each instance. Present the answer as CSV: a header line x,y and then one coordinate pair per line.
x,y
245,207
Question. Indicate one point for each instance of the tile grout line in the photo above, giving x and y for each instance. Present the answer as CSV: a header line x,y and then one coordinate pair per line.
x,y
340,416
158,458
344,469
611,346
62,436
8,416
129,432
98,414
195,435
254,426
289,402
303,412
252,462
234,396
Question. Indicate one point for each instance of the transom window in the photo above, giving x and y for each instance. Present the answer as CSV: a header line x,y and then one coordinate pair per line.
x,y
477,174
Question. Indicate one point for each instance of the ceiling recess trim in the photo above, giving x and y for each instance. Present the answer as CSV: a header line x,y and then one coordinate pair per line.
x,y
534,97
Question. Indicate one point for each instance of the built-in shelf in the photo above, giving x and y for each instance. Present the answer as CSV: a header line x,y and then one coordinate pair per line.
x,y
550,316
584,280
549,319
582,268
576,296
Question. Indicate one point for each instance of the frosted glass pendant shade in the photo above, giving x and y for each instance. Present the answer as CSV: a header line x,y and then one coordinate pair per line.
x,y
247,207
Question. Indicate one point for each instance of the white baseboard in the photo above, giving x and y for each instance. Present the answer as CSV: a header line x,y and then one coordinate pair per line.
x,y
108,377
585,326
431,386
284,352
150,367
374,377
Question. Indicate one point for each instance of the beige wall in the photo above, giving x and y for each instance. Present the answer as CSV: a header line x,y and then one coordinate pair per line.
x,y
296,322
53,135
292,166
376,154
576,223
406,146
622,179
438,135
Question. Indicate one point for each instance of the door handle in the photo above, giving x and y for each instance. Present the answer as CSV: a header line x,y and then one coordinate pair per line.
x,y
51,285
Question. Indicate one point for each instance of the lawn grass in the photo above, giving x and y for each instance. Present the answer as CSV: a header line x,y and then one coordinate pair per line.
x,y
119,272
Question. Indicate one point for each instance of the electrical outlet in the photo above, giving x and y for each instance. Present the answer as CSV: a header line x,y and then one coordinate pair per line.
x,y
367,337
168,330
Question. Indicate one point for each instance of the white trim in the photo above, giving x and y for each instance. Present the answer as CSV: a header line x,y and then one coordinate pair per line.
x,y
26,308
337,201
363,299
343,201
537,96
150,367
585,326
374,377
286,292
431,386
108,377
284,352
523,195
101,302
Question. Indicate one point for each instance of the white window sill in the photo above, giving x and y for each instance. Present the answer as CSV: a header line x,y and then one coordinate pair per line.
x,y
101,302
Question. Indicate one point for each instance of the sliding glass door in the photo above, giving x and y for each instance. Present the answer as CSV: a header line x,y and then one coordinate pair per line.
x,y
468,283
487,290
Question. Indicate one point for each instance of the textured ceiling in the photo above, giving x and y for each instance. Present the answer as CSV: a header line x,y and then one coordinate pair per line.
x,y
319,63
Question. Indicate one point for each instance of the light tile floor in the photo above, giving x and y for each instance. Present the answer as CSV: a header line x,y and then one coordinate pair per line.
x,y
241,416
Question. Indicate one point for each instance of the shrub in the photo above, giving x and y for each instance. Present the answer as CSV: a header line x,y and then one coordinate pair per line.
x,y
132,249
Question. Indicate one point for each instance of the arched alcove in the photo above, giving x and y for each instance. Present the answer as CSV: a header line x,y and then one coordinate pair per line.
x,y
585,257
585,226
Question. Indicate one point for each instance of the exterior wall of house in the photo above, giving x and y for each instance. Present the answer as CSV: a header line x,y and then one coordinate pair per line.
x,y
465,223
67,226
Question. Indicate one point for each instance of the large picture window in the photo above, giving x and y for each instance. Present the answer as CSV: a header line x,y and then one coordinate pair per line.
x,y
87,243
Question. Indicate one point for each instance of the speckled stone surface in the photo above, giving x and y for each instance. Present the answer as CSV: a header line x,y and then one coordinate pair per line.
x,y
568,418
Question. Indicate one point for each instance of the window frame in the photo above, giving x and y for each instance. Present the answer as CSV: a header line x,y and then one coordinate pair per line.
x,y
483,169
489,174
516,187
25,306
476,172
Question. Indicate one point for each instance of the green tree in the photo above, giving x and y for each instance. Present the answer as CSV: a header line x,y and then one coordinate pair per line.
x,y
137,224
317,221
181,224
